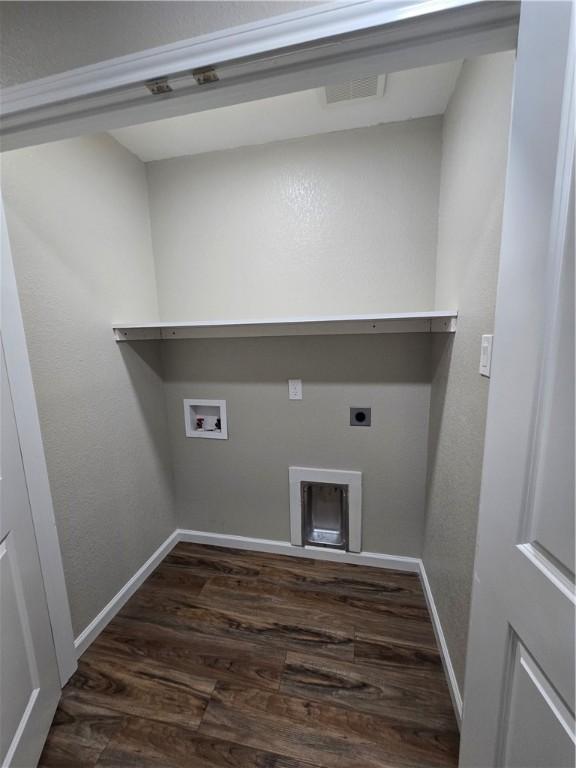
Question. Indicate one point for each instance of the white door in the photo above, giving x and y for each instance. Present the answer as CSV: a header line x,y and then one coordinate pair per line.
x,y
519,686
29,680
29,676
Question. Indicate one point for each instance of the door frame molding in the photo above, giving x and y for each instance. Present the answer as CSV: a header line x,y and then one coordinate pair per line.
x,y
34,461
277,55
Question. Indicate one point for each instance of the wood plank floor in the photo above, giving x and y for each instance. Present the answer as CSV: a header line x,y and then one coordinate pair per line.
x,y
228,658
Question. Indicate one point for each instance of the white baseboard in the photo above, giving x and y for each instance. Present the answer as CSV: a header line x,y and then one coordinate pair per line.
x,y
443,645
91,632
276,547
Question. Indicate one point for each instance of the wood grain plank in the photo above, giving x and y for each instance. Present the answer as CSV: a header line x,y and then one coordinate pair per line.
x,y
344,578
259,598
203,656
240,556
330,735
145,688
380,651
80,731
206,563
145,744
370,573
233,658
391,620
417,697
397,587
288,629
176,579
332,609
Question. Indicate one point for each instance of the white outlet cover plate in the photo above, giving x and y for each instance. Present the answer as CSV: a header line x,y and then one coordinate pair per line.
x,y
295,389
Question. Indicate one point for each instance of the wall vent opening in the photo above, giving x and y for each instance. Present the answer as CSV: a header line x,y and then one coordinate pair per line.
x,y
326,508
324,515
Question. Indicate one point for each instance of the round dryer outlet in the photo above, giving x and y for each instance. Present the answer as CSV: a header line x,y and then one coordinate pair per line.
x,y
360,417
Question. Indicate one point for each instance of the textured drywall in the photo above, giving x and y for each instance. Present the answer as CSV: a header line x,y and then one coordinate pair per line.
x,y
78,223
340,223
38,39
475,141
240,485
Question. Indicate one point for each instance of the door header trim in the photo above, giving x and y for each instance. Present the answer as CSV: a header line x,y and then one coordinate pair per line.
x,y
277,55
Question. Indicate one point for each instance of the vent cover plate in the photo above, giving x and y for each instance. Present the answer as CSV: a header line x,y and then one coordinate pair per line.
x,y
362,89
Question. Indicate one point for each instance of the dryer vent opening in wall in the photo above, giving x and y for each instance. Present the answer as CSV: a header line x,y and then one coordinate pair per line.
x,y
324,514
326,508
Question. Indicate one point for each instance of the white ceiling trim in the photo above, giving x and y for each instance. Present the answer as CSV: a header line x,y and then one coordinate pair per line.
x,y
265,58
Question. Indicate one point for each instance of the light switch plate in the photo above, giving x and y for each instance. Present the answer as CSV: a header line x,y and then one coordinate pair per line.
x,y
295,389
486,354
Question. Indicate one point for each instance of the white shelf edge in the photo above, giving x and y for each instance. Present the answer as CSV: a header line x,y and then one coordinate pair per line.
x,y
395,322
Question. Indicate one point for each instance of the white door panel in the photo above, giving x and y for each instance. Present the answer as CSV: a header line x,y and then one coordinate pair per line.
x,y
551,524
29,679
519,685
16,653
533,698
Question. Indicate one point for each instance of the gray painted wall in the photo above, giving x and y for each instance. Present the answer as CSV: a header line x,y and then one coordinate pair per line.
x,y
79,221
340,223
77,213
240,486
345,222
475,143
38,39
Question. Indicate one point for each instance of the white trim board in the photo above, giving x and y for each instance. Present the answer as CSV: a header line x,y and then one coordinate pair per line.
x,y
281,54
278,547
451,679
91,632
34,461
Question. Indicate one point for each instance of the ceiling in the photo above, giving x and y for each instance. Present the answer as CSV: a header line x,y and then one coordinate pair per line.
x,y
410,94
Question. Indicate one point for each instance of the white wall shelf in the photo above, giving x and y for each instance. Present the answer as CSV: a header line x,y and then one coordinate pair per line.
x,y
396,322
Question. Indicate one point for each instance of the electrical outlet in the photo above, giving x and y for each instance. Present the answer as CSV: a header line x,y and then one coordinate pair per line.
x,y
360,417
295,389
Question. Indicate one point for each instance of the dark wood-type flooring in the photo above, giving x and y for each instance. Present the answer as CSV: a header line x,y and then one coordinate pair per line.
x,y
233,658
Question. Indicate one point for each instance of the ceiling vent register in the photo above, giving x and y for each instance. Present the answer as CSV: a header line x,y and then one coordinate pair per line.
x,y
371,87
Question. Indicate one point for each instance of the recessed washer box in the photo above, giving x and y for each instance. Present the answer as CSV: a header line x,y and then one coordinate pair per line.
x,y
206,418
